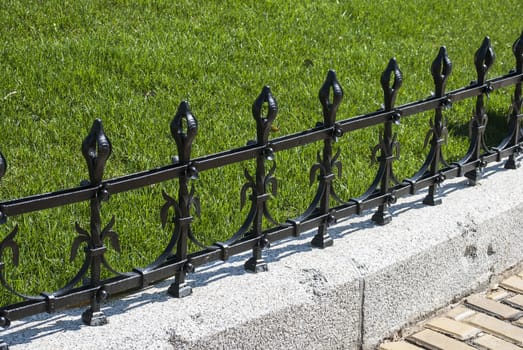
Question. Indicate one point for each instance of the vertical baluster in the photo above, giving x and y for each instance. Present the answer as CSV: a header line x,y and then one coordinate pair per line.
x,y
483,60
440,69
96,148
517,104
183,216
388,145
322,238
260,195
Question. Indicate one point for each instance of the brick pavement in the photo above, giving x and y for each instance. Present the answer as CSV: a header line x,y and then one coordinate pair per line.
x,y
486,321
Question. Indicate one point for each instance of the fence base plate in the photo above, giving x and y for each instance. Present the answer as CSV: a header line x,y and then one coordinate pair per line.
x,y
256,265
322,241
512,163
430,200
382,217
179,291
91,318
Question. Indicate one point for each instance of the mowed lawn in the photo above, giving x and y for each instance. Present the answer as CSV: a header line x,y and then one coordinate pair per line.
x,y
130,63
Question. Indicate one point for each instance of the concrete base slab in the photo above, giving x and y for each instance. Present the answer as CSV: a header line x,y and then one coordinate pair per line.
x,y
372,282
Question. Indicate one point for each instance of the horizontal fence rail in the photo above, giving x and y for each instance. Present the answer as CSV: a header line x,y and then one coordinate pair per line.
x,y
87,286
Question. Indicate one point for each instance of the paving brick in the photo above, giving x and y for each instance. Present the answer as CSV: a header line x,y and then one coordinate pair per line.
x,y
398,345
490,342
513,283
493,307
498,294
455,329
519,322
497,327
460,312
516,301
437,341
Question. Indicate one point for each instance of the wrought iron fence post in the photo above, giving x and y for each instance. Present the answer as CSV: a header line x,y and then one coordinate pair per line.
x,y
483,59
322,239
96,149
517,104
183,216
440,69
260,195
389,147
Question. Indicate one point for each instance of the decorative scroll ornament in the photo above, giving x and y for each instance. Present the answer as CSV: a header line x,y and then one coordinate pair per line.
x,y
170,203
85,238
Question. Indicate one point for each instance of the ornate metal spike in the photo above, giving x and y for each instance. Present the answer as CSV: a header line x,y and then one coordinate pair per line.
x,y
330,108
390,91
483,59
264,123
184,138
96,149
441,69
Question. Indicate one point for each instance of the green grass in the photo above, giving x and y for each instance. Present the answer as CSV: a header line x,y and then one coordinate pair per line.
x,y
130,63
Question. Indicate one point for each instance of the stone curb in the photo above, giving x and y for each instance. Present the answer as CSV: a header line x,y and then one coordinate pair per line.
x,y
371,283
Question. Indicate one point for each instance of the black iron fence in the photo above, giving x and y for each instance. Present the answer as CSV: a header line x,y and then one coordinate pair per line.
x,y
87,286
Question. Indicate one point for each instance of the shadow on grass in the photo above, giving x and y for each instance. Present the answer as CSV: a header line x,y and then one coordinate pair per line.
x,y
495,131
